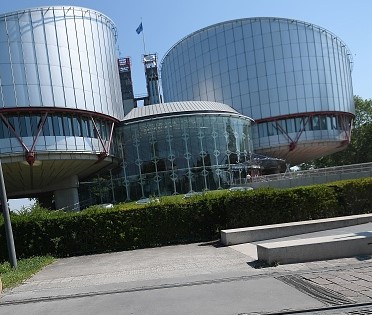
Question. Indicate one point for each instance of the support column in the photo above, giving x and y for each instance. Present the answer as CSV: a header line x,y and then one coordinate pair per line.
x,y
68,198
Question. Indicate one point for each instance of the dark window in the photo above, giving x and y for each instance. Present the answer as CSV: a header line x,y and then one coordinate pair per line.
x,y
85,127
23,128
67,125
323,123
271,129
315,123
35,120
77,126
3,128
57,126
12,123
48,127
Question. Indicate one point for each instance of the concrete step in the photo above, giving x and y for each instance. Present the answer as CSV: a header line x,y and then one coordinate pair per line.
x,y
317,248
265,232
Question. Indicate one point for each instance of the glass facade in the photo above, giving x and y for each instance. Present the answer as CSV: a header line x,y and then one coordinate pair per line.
x,y
331,126
60,97
183,153
264,68
60,132
59,57
60,61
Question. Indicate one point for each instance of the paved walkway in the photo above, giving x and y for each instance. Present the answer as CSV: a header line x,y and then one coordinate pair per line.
x,y
192,279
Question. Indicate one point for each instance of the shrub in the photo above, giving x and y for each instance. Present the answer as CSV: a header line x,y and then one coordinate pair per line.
x,y
176,220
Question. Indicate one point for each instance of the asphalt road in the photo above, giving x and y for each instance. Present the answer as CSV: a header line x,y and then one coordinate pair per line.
x,y
190,279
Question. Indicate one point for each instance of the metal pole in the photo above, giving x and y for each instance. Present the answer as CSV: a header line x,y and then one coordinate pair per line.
x,y
112,188
7,223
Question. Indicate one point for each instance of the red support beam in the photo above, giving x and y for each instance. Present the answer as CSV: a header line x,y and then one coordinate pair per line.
x,y
346,126
42,123
110,139
292,143
15,133
105,153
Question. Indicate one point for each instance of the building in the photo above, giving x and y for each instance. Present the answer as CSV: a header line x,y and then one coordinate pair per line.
x,y
60,100
68,113
183,147
292,77
126,84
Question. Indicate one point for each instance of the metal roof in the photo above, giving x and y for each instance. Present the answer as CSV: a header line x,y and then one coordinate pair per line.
x,y
179,108
254,19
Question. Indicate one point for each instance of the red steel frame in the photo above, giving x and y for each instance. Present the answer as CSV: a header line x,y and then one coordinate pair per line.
x,y
30,153
305,120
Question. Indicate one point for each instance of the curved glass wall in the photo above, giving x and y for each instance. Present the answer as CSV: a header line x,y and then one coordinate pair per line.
x,y
331,126
59,132
59,57
183,154
263,68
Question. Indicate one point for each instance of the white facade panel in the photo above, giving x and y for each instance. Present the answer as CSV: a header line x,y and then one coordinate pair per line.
x,y
67,47
267,69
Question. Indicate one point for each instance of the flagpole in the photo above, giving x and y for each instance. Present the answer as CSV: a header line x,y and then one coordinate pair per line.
x,y
143,39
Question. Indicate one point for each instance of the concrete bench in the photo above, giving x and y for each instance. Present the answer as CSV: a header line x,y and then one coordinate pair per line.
x,y
265,232
317,248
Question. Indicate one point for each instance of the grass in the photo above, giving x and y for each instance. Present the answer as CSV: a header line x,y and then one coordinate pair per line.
x,y
26,268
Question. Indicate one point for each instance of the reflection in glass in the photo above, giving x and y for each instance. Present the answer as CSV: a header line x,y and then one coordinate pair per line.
x,y
184,154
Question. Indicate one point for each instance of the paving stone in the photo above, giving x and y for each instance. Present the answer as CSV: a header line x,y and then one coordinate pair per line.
x,y
367,293
333,287
352,286
320,281
363,276
339,281
347,277
349,293
363,283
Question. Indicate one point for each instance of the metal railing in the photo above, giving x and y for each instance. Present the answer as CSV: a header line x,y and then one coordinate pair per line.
x,y
327,171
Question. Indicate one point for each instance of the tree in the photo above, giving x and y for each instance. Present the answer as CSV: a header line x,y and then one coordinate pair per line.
x,y
360,148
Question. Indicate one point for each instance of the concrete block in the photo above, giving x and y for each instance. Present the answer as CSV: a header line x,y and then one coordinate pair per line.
x,y
317,248
265,232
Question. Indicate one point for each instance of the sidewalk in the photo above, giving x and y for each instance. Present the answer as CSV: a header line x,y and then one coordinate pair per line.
x,y
189,279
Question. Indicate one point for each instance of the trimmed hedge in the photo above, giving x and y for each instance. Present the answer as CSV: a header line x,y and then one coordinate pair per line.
x,y
273,206
176,220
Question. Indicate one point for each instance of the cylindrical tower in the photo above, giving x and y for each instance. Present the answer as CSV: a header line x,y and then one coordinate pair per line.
x,y
293,78
59,98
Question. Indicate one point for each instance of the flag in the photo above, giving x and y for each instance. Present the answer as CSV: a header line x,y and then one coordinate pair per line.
x,y
139,29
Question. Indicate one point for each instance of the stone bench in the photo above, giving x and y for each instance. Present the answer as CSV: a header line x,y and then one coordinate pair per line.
x,y
317,248
265,232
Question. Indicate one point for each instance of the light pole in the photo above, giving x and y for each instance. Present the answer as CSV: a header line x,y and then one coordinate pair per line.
x,y
7,223
112,187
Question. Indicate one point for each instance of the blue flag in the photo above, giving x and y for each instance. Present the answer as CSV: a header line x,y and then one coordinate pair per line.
x,y
139,29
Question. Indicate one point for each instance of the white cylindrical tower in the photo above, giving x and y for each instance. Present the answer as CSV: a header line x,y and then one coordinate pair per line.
x,y
59,96
292,77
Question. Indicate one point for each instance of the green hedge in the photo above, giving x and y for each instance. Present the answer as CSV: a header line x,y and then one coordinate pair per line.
x,y
273,206
177,220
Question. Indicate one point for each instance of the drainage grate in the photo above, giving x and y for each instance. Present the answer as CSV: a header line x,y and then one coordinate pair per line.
x,y
324,295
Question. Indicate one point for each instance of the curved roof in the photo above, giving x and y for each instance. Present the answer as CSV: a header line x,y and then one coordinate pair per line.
x,y
179,109
63,7
253,19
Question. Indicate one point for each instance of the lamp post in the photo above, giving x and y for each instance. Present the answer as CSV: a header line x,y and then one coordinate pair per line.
x,y
112,187
7,223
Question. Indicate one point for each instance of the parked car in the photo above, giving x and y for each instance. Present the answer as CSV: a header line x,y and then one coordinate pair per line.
x,y
240,188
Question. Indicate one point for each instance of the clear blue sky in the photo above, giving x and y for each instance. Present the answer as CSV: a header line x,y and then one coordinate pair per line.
x,y
167,21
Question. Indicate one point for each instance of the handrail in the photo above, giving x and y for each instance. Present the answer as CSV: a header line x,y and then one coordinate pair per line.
x,y
334,170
